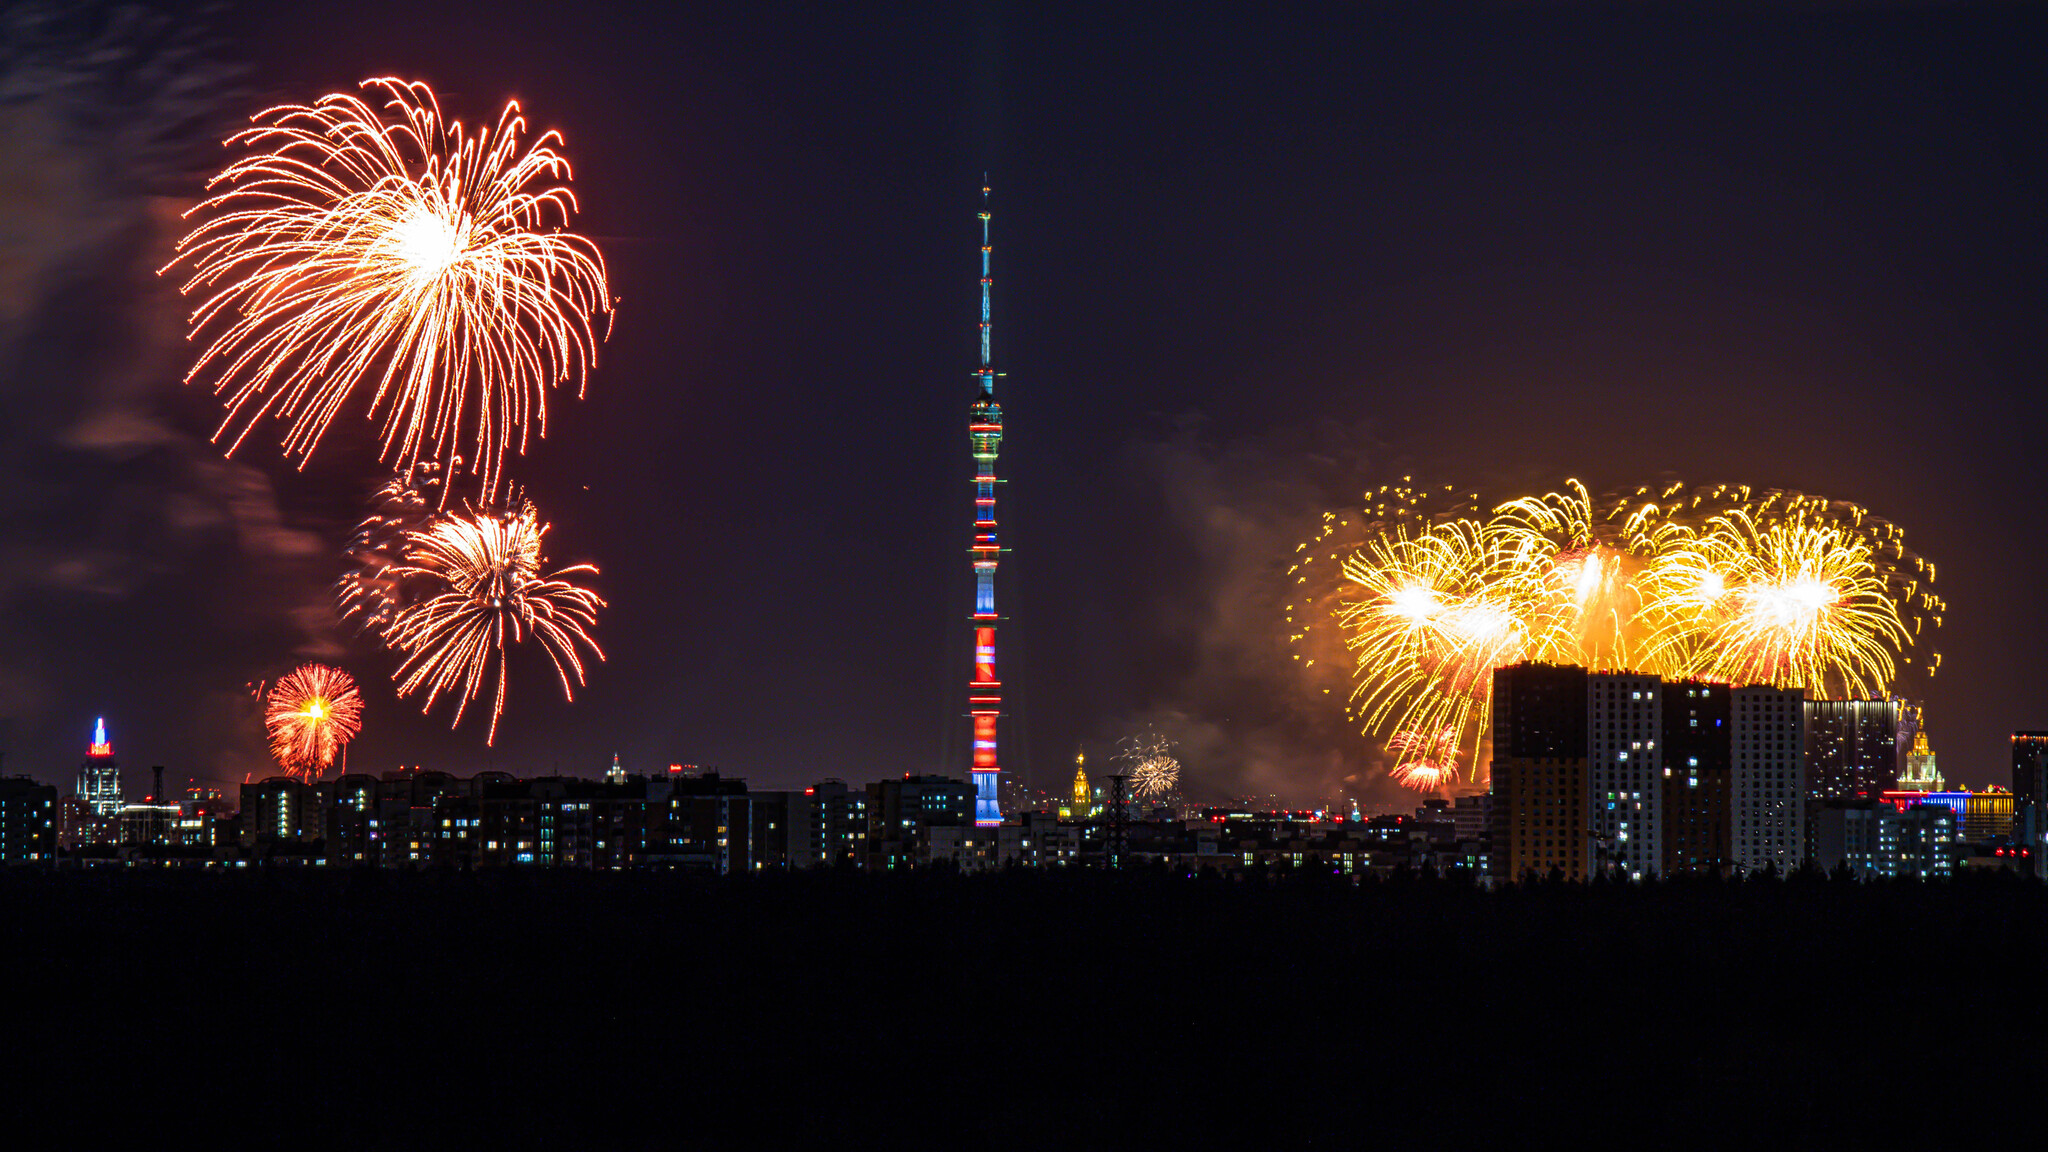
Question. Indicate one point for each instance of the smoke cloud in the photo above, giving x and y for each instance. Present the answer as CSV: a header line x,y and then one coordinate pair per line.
x,y
1254,714
121,517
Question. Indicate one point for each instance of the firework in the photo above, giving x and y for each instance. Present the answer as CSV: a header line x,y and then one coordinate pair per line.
x,y
1434,612
370,593
353,250
312,713
1795,599
1428,760
1578,579
1153,769
1720,584
490,596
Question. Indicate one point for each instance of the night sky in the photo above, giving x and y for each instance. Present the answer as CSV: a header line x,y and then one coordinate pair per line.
x,y
1247,265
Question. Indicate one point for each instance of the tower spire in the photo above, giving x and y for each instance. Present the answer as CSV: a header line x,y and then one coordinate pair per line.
x,y
987,373
985,432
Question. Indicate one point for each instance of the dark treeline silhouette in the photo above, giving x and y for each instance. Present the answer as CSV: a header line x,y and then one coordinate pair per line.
x,y
372,1010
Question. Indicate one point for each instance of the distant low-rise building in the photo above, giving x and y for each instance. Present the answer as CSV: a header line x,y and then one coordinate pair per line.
x,y
28,821
1917,842
1848,835
828,826
1988,816
280,809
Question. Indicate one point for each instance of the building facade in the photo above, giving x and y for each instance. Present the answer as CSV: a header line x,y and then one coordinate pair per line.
x,y
1852,748
828,826
1848,834
28,821
1698,751
280,809
1539,771
1625,769
1768,780
903,814
1917,842
2030,791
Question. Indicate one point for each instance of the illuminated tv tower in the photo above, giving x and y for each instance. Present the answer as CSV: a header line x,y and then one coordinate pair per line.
x,y
984,695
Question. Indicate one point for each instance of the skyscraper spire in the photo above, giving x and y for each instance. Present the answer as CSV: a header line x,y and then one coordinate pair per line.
x,y
99,778
985,431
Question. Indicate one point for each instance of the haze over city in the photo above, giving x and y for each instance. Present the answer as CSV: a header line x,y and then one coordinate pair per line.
x,y
1246,271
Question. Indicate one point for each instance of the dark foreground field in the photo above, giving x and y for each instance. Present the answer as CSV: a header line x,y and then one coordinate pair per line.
x,y
374,1011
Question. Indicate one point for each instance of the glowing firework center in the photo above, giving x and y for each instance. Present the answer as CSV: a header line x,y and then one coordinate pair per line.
x,y
984,699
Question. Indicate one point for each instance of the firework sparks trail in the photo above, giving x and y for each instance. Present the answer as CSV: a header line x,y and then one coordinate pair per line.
x,y
1154,770
1722,584
311,714
352,249
492,596
1428,760
369,593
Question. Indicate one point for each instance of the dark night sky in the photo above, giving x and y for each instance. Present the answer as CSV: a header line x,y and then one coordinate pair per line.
x,y
1247,264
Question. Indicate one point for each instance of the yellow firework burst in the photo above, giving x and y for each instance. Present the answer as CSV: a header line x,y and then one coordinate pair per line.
x,y
1432,613
1153,769
1794,599
357,248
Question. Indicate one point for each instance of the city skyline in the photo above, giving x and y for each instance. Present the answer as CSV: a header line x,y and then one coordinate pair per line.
x,y
1483,529
1223,333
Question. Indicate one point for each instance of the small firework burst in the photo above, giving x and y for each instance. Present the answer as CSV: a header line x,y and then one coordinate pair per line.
x,y
491,596
1154,771
312,713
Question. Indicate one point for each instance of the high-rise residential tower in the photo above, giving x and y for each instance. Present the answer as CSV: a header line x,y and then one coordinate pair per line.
x,y
985,431
1601,771
1625,771
2030,790
1698,749
1539,771
1769,778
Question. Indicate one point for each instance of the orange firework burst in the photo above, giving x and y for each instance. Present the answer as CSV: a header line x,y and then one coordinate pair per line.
x,y
354,249
312,713
491,596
